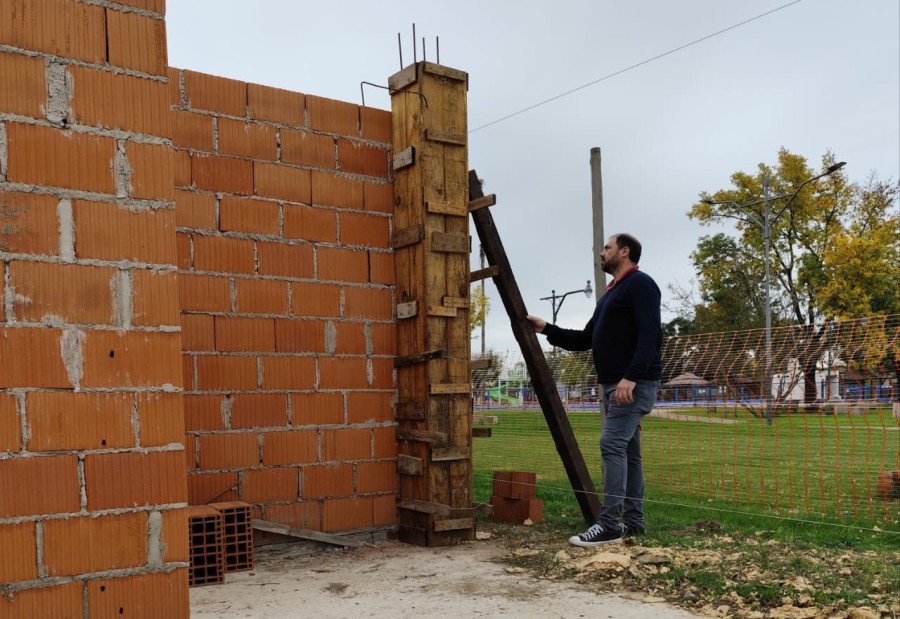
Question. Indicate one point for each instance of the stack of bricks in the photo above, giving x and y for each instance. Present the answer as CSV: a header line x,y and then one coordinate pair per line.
x,y
286,278
206,533
514,498
237,536
92,482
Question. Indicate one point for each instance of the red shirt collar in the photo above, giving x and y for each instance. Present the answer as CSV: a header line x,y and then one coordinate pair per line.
x,y
621,277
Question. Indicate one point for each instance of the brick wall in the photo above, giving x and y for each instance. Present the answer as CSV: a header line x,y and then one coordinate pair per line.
x,y
92,467
284,205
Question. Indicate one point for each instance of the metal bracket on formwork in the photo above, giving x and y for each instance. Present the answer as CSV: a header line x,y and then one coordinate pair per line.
x,y
392,89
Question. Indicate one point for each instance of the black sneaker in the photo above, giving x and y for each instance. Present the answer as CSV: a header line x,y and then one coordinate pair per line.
x,y
632,530
596,536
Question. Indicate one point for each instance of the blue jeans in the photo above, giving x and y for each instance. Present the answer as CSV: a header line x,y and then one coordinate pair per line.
x,y
620,446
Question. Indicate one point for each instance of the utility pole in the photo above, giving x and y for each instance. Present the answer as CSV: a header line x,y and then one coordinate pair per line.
x,y
597,209
484,317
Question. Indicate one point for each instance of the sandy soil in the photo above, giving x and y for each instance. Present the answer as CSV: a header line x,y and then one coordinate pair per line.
x,y
394,580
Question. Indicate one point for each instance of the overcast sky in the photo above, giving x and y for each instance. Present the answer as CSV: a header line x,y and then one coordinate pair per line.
x,y
812,76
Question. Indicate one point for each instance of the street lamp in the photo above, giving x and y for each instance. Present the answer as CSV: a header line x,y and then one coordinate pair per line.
x,y
587,290
766,224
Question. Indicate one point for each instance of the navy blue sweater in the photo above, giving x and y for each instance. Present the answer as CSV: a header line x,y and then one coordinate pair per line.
x,y
624,334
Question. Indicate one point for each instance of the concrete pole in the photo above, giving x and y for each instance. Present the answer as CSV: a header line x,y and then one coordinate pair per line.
x,y
597,208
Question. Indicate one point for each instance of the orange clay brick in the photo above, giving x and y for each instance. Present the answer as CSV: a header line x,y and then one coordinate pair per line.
x,y
331,190
205,488
376,303
162,594
192,130
382,268
272,180
38,359
157,6
288,373
19,545
382,374
306,515
248,215
106,232
310,224
222,254
378,197
317,409
315,300
74,293
308,149
285,260
23,85
226,451
218,94
69,29
30,223
136,42
204,293
66,421
385,510
376,124
197,332
226,373
369,407
342,265
250,140
222,174
175,535
299,336
258,410
332,116
347,514
48,156
162,418
183,245
359,158
385,440
281,106
376,477
46,485
152,171
134,479
189,380
327,480
203,412
266,485
190,454
131,359
195,210
245,334
350,338
154,296
368,230
183,174
83,545
346,444
291,447
343,373
174,88
10,426
66,600
104,99
261,296
384,339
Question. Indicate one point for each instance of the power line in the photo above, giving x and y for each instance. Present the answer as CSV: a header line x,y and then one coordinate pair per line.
x,y
634,66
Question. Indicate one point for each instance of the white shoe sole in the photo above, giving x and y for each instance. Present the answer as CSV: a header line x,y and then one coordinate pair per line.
x,y
577,541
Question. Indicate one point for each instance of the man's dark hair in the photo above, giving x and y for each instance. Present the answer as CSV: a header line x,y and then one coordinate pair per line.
x,y
633,245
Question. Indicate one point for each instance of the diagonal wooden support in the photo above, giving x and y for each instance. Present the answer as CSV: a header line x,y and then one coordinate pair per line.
x,y
541,377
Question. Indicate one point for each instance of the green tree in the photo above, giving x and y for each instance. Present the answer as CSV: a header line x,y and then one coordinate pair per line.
x,y
480,305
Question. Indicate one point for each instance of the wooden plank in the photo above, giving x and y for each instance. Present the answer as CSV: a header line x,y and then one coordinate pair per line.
x,y
441,208
491,271
403,78
454,524
440,310
407,236
442,71
445,137
422,436
421,357
484,420
407,310
405,158
482,364
408,465
446,454
449,243
481,203
410,411
449,389
316,536
538,369
424,507
482,432
459,302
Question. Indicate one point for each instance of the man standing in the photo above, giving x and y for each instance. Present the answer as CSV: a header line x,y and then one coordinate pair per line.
x,y
625,336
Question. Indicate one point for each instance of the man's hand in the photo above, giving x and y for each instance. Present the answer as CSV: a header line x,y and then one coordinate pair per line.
x,y
625,391
537,323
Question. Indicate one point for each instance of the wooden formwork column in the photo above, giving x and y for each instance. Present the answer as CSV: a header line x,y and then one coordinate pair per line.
x,y
432,245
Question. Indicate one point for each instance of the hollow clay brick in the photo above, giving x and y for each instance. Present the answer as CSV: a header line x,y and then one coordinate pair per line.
x,y
381,268
67,421
369,407
327,480
310,223
288,373
105,231
28,223
347,514
359,158
384,339
131,359
376,303
226,451
65,600
203,412
19,545
162,418
114,101
342,265
382,373
315,409
285,260
225,174
267,485
261,296
375,124
152,171
226,373
384,507
44,485
350,338
299,336
331,190
259,410
137,42
163,594
205,488
272,180
245,334
195,210
378,197
282,106
368,230
308,149
23,85
246,140
174,535
134,479
191,130
69,29
310,300
248,215
217,94
291,447
376,477
204,293
332,116
197,332
346,444
223,255
39,361
343,373
76,294
154,296
10,426
385,441
90,544
304,515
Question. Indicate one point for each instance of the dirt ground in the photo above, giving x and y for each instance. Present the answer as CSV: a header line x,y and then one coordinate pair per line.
x,y
394,580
